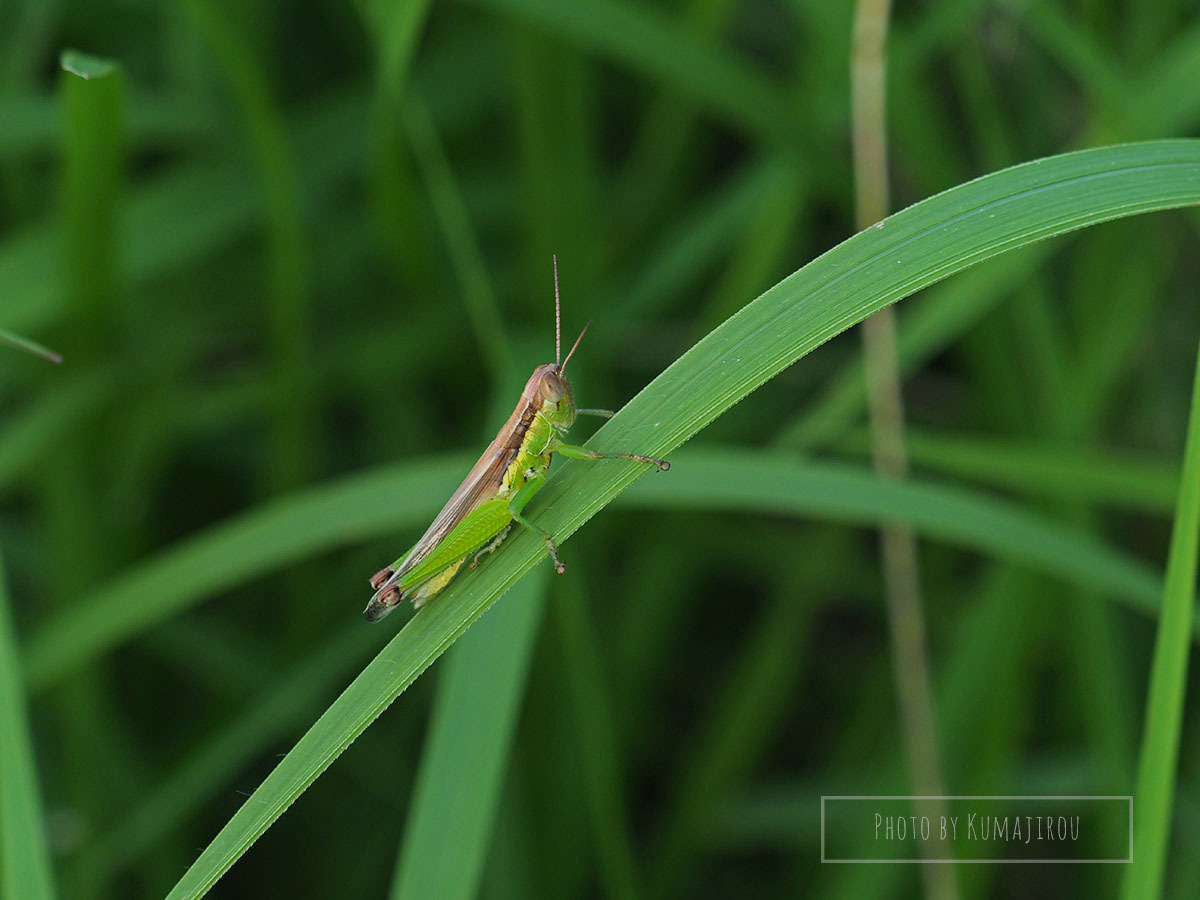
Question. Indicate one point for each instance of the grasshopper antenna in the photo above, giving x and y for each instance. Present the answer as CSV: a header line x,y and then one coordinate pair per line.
x,y
557,318
563,367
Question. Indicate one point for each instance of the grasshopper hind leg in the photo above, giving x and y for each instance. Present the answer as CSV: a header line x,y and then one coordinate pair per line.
x,y
491,548
551,547
518,503
573,452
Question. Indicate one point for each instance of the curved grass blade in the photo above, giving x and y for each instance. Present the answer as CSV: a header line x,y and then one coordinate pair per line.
x,y
902,254
956,516
1079,474
396,497
258,542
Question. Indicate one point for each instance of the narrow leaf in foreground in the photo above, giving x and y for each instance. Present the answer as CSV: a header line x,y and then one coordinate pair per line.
x,y
1155,791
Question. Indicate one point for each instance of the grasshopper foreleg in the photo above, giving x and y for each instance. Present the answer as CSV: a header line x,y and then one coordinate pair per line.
x,y
518,502
491,548
574,452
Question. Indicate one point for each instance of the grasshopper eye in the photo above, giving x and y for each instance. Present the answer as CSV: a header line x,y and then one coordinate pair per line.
x,y
551,387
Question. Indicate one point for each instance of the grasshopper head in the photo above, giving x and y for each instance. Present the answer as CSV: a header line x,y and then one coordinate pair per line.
x,y
385,600
550,386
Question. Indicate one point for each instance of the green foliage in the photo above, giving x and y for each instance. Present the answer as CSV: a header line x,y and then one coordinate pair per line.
x,y
15,340
297,259
1168,679
24,855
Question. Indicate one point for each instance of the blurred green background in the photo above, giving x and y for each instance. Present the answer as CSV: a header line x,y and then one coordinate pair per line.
x,y
287,244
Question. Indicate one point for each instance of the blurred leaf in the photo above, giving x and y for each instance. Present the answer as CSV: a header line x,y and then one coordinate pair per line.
x,y
706,479
287,699
458,234
710,479
902,254
644,39
1070,472
86,66
464,757
157,239
33,123
598,749
28,435
15,340
289,294
253,544
746,709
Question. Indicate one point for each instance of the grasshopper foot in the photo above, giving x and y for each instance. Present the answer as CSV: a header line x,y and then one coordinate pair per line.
x,y
559,568
661,464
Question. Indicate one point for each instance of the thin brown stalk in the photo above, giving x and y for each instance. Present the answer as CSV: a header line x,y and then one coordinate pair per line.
x,y
901,573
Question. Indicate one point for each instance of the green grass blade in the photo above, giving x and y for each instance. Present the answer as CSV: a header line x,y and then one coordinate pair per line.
x,y
288,298
931,323
397,26
1046,469
261,541
681,255
25,869
458,234
643,39
709,479
93,172
902,254
464,758
745,714
597,744
397,497
159,240
33,347
30,433
290,698
1154,793
33,122
85,65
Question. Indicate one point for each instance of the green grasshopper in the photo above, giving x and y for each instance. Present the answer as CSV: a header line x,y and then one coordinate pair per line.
x,y
495,492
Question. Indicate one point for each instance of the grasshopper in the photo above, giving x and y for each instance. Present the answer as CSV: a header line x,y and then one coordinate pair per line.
x,y
495,492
